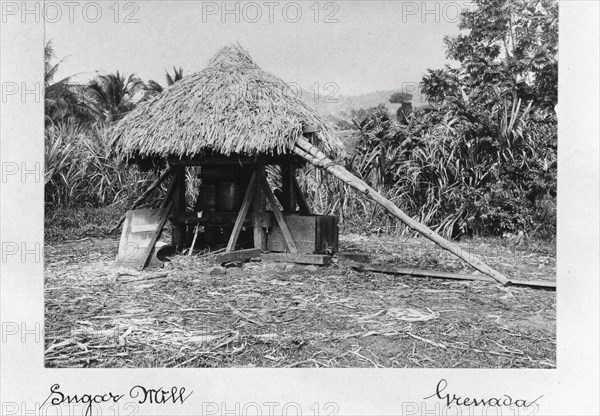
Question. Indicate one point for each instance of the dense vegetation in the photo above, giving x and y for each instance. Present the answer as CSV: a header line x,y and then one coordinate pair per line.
x,y
479,158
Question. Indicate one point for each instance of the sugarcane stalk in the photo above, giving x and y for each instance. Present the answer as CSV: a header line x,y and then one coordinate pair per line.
x,y
312,154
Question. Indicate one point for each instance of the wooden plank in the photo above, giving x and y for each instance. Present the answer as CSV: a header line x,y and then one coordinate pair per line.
x,y
354,256
126,250
301,198
542,284
447,275
239,222
132,245
259,208
161,225
279,217
239,255
143,228
320,259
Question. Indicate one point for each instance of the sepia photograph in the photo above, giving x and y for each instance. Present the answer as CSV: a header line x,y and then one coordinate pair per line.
x,y
327,184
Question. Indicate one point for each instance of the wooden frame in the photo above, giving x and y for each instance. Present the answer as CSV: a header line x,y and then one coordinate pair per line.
x,y
257,195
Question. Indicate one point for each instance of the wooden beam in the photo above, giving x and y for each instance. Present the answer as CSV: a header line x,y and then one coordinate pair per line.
x,y
216,161
239,222
259,209
179,230
353,256
279,217
301,198
239,255
320,259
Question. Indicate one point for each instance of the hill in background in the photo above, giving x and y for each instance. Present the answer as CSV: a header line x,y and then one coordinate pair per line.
x,y
332,104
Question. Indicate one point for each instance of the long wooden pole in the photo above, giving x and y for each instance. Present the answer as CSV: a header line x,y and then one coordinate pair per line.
x,y
148,191
309,152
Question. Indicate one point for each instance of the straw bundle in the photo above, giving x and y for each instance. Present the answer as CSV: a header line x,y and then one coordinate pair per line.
x,y
231,107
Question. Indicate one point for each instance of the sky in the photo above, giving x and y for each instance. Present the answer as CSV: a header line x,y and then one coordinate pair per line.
x,y
361,46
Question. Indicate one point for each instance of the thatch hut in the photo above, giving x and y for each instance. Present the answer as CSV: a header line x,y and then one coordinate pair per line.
x,y
231,118
231,108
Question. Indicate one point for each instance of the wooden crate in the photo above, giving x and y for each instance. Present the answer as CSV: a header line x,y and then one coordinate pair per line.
x,y
311,233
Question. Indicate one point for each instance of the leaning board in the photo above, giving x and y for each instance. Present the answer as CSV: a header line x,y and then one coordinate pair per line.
x,y
139,230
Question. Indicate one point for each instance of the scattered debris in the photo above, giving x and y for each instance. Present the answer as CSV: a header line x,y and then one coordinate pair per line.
x,y
260,316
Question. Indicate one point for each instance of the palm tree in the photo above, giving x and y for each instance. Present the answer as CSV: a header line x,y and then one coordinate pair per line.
x,y
113,95
177,75
153,87
63,100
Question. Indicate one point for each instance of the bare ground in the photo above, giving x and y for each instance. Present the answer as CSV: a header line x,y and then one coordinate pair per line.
x,y
278,315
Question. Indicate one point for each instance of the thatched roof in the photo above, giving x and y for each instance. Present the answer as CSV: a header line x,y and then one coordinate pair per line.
x,y
231,107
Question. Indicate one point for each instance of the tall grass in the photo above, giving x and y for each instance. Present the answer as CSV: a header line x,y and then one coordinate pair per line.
x,y
79,171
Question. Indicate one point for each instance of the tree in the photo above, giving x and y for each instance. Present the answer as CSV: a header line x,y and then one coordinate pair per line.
x,y
113,95
509,44
154,87
177,76
63,100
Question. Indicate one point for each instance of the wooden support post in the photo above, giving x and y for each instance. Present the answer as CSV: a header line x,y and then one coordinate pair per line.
x,y
287,235
239,222
259,208
288,172
179,229
301,198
